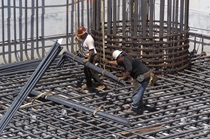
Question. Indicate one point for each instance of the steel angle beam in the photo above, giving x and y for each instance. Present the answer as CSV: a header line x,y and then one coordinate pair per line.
x,y
90,65
34,78
84,108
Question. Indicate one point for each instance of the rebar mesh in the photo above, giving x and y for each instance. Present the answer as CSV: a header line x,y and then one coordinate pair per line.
x,y
182,103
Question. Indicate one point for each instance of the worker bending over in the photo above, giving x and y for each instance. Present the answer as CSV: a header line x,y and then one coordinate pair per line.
x,y
140,73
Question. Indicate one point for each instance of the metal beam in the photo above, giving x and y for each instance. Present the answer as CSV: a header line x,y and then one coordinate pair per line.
x,y
84,108
40,70
90,65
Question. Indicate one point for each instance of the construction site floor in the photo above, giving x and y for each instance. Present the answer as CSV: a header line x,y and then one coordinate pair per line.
x,y
58,108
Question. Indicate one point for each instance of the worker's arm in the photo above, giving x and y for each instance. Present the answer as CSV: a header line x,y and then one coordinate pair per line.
x,y
128,69
114,62
77,39
87,59
111,62
125,76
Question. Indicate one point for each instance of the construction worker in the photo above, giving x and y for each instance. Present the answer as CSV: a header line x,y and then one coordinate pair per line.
x,y
88,51
140,74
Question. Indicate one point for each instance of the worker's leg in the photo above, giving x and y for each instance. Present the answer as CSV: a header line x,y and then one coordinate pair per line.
x,y
137,98
96,77
88,76
94,74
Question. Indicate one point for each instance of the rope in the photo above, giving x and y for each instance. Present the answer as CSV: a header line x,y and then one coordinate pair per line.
x,y
74,57
103,72
97,109
37,97
133,7
103,39
47,95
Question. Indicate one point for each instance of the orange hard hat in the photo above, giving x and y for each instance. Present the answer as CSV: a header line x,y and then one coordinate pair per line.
x,y
81,31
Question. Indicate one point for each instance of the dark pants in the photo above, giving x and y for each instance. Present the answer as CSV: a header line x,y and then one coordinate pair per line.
x,y
91,74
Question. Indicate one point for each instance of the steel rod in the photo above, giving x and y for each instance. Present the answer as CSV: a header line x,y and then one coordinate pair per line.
x,y
90,65
84,108
29,85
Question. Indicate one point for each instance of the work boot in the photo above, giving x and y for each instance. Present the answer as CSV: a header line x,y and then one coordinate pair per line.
x,y
99,88
128,101
132,110
128,111
84,86
91,89
138,110
150,108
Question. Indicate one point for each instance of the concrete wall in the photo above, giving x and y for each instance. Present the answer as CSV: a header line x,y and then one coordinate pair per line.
x,y
199,22
199,16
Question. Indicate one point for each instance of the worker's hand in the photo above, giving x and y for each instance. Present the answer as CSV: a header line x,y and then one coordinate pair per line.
x,y
120,79
105,60
85,60
76,38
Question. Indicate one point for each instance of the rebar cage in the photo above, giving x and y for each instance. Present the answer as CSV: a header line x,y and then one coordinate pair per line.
x,y
154,30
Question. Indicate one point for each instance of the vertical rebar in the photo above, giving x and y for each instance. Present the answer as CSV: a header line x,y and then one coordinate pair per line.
x,y
15,31
3,32
181,14
32,29
9,53
42,26
21,29
26,30
67,26
162,9
37,28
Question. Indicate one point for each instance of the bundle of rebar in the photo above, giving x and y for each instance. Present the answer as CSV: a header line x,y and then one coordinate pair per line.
x,y
40,70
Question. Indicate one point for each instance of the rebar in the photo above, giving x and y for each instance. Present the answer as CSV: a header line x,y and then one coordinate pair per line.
x,y
181,101
42,67
162,43
90,65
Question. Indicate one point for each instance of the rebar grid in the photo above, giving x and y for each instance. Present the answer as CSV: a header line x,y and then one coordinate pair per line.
x,y
158,37
182,103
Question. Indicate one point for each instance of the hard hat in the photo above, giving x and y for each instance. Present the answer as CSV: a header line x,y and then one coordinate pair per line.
x,y
81,31
116,53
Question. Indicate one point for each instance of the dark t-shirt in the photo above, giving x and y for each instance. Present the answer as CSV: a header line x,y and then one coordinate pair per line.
x,y
134,66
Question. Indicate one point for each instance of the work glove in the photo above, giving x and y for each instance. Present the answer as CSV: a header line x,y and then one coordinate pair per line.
x,y
120,79
153,79
105,60
85,60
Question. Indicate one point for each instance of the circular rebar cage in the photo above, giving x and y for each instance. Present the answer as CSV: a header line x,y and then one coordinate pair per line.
x,y
158,39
